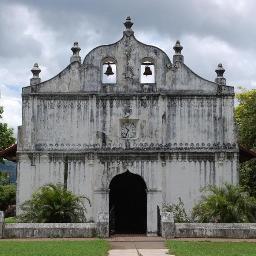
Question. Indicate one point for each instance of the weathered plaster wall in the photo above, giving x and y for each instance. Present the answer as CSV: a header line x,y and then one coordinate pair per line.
x,y
177,133
78,123
185,174
168,176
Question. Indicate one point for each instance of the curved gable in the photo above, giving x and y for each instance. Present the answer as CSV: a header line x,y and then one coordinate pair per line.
x,y
130,58
129,54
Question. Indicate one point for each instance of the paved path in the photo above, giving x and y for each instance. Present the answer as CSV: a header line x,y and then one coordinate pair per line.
x,y
136,242
138,252
137,246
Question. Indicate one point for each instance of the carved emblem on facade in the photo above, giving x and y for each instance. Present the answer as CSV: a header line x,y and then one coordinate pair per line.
x,y
127,110
128,129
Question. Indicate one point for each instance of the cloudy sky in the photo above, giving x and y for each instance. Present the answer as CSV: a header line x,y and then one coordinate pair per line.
x,y
43,31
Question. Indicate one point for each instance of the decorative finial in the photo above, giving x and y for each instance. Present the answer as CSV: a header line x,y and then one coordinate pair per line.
x,y
35,71
220,79
177,47
220,70
178,57
75,49
128,25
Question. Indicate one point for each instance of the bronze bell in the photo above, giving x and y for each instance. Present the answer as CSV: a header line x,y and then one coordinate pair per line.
x,y
109,71
147,71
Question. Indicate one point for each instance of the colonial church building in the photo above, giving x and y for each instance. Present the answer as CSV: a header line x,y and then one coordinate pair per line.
x,y
130,129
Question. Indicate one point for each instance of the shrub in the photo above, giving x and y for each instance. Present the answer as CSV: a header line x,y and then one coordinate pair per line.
x,y
7,197
53,204
178,211
10,220
225,204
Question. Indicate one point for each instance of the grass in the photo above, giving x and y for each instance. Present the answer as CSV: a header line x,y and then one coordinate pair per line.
x,y
54,248
10,220
190,248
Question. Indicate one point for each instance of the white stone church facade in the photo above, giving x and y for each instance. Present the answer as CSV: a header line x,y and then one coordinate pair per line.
x,y
130,129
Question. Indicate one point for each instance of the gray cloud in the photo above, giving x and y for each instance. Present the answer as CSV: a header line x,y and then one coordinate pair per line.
x,y
226,20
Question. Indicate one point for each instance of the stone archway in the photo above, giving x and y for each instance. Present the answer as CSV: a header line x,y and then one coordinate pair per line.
x,y
128,204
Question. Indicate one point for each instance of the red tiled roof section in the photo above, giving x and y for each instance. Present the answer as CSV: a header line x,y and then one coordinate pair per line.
x,y
245,154
9,153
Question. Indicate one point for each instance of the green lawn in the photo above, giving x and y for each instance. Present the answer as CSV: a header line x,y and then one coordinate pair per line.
x,y
190,248
54,248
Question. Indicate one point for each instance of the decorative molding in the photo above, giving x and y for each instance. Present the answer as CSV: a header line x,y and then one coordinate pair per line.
x,y
134,147
127,96
128,158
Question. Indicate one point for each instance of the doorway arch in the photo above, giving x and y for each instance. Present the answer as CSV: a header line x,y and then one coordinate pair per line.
x,y
128,204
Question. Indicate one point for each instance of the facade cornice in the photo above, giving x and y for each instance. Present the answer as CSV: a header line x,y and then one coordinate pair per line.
x,y
126,151
87,95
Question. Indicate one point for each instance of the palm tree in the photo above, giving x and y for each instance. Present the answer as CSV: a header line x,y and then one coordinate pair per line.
x,y
225,204
54,204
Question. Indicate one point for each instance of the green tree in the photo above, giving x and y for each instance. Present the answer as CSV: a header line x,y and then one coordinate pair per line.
x,y
7,192
6,133
53,204
245,115
7,196
248,176
4,179
225,204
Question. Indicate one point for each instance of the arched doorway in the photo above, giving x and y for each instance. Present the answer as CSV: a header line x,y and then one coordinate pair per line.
x,y
128,204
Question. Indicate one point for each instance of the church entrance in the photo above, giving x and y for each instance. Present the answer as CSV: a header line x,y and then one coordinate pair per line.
x,y
128,204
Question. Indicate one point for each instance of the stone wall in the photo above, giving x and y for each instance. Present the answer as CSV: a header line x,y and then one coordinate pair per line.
x,y
209,230
169,230
49,230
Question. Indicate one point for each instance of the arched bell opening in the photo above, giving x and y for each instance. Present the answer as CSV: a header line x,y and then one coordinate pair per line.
x,y
128,204
147,71
108,73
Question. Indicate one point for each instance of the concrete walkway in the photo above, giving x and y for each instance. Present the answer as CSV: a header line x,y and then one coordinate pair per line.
x,y
137,246
136,242
138,252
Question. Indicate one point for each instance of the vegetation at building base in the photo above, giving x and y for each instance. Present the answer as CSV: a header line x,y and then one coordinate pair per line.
x,y
7,195
178,210
204,248
6,134
54,248
10,220
245,116
225,204
53,204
